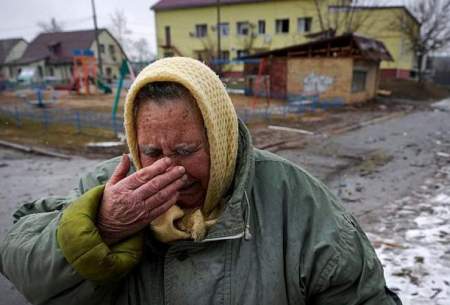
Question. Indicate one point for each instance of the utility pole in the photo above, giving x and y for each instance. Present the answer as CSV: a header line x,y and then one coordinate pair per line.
x,y
99,55
219,57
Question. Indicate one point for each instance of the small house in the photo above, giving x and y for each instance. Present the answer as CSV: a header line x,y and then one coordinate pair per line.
x,y
10,51
345,68
49,56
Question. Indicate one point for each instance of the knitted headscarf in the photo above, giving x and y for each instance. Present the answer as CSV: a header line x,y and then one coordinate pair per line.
x,y
220,121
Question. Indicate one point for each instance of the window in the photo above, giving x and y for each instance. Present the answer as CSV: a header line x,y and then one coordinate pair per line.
x,y
282,26
242,53
40,72
261,27
243,28
359,80
224,29
112,49
201,30
102,48
304,25
55,48
51,71
167,36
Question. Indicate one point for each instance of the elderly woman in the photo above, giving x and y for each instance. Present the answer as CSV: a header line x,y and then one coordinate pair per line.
x,y
193,215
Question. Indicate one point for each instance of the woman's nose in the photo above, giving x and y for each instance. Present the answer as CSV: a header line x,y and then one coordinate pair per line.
x,y
174,159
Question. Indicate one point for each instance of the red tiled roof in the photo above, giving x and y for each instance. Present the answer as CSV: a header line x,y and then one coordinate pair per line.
x,y
177,4
63,44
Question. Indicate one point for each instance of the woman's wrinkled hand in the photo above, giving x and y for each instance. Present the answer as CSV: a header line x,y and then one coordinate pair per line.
x,y
130,203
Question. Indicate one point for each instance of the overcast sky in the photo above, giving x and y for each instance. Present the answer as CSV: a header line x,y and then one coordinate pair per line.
x,y
19,17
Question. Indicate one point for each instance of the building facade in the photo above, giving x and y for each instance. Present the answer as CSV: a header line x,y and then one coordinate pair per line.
x,y
10,51
341,69
190,28
50,55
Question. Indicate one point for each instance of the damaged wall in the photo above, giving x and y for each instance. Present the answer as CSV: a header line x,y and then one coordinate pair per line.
x,y
331,78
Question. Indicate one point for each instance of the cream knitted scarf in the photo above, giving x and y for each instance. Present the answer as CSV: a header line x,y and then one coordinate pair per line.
x,y
221,124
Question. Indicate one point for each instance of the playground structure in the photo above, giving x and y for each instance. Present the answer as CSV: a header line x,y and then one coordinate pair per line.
x,y
84,73
38,96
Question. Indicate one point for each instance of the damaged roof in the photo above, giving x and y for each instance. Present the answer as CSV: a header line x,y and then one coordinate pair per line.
x,y
345,45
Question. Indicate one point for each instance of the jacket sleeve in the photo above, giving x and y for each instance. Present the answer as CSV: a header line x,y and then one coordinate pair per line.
x,y
52,260
352,275
32,260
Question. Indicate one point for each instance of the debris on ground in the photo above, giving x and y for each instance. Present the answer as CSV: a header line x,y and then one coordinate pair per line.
x,y
34,150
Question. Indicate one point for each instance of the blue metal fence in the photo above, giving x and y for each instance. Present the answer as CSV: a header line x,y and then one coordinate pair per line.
x,y
78,119
90,119
296,105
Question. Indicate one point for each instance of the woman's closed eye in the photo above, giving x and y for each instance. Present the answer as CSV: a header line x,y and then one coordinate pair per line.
x,y
185,151
152,152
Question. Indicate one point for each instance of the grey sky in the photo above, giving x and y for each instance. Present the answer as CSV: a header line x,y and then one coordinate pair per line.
x,y
19,17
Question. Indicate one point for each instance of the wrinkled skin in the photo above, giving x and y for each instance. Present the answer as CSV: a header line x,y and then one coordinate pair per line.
x,y
175,130
174,154
130,203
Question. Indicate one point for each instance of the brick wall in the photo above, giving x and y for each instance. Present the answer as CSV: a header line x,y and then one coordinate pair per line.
x,y
396,73
338,69
278,75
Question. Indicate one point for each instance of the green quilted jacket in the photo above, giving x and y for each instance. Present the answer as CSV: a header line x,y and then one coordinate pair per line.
x,y
282,238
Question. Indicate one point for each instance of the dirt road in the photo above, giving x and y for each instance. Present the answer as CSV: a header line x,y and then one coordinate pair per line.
x,y
25,177
395,177
377,170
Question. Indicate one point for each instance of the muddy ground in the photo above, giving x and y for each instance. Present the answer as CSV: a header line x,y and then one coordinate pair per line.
x,y
391,169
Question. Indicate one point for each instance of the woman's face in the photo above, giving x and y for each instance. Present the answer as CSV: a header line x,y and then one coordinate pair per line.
x,y
175,130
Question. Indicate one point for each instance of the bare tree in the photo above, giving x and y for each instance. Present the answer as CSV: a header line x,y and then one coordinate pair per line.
x,y
343,16
120,29
429,34
141,51
50,27
208,54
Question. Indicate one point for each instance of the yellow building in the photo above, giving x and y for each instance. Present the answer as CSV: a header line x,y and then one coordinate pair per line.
x,y
189,28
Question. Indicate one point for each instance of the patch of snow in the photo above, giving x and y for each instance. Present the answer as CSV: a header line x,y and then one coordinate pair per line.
x,y
416,256
441,198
